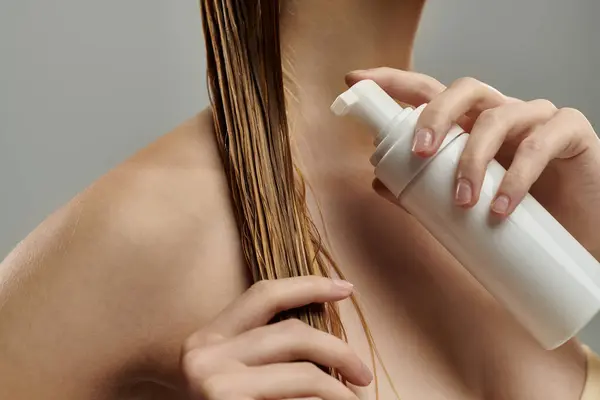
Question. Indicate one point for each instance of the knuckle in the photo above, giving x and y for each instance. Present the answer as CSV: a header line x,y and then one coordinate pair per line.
x,y
425,89
386,75
546,104
492,116
433,113
198,364
470,160
292,325
216,387
261,286
466,81
201,339
387,70
572,113
578,123
531,146
515,179
264,288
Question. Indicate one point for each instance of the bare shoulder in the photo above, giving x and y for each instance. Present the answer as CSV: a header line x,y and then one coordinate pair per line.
x,y
112,283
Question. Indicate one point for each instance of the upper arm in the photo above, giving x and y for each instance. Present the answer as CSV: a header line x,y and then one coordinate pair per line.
x,y
110,285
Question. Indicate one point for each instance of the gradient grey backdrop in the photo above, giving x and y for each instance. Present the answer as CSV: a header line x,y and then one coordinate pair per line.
x,y
84,83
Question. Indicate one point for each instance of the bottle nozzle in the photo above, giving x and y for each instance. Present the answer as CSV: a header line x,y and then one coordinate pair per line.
x,y
368,101
345,101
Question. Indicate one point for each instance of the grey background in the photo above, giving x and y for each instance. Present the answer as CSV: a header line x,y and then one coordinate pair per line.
x,y
84,83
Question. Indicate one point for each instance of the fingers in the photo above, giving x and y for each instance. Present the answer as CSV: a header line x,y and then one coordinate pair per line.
x,y
275,381
265,299
492,118
460,103
493,127
563,136
238,356
466,95
297,380
307,398
293,340
405,86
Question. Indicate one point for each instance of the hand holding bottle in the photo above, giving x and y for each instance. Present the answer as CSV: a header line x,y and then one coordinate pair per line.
x,y
451,183
552,153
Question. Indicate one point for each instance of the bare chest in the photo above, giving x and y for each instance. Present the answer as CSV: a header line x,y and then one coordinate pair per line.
x,y
438,334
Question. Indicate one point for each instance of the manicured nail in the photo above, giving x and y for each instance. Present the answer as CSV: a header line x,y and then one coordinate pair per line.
x,y
423,141
358,71
464,192
345,285
500,205
366,371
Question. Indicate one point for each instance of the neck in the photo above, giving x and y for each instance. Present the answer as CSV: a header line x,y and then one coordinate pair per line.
x,y
321,42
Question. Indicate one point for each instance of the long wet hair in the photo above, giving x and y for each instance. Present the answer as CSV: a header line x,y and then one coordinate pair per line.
x,y
246,85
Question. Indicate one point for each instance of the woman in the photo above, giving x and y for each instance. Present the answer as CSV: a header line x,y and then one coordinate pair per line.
x,y
138,288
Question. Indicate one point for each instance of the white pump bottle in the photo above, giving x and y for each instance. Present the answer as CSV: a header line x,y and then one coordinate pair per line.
x,y
528,262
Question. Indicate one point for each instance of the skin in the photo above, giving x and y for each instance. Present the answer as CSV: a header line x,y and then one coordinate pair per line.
x,y
137,288
237,356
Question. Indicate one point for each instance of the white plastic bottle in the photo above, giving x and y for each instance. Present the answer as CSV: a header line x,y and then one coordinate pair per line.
x,y
528,262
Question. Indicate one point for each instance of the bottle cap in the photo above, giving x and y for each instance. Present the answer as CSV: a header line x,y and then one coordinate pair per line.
x,y
395,164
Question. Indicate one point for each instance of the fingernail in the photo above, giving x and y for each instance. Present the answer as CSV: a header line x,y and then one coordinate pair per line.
x,y
367,374
464,192
358,71
423,141
500,205
345,285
